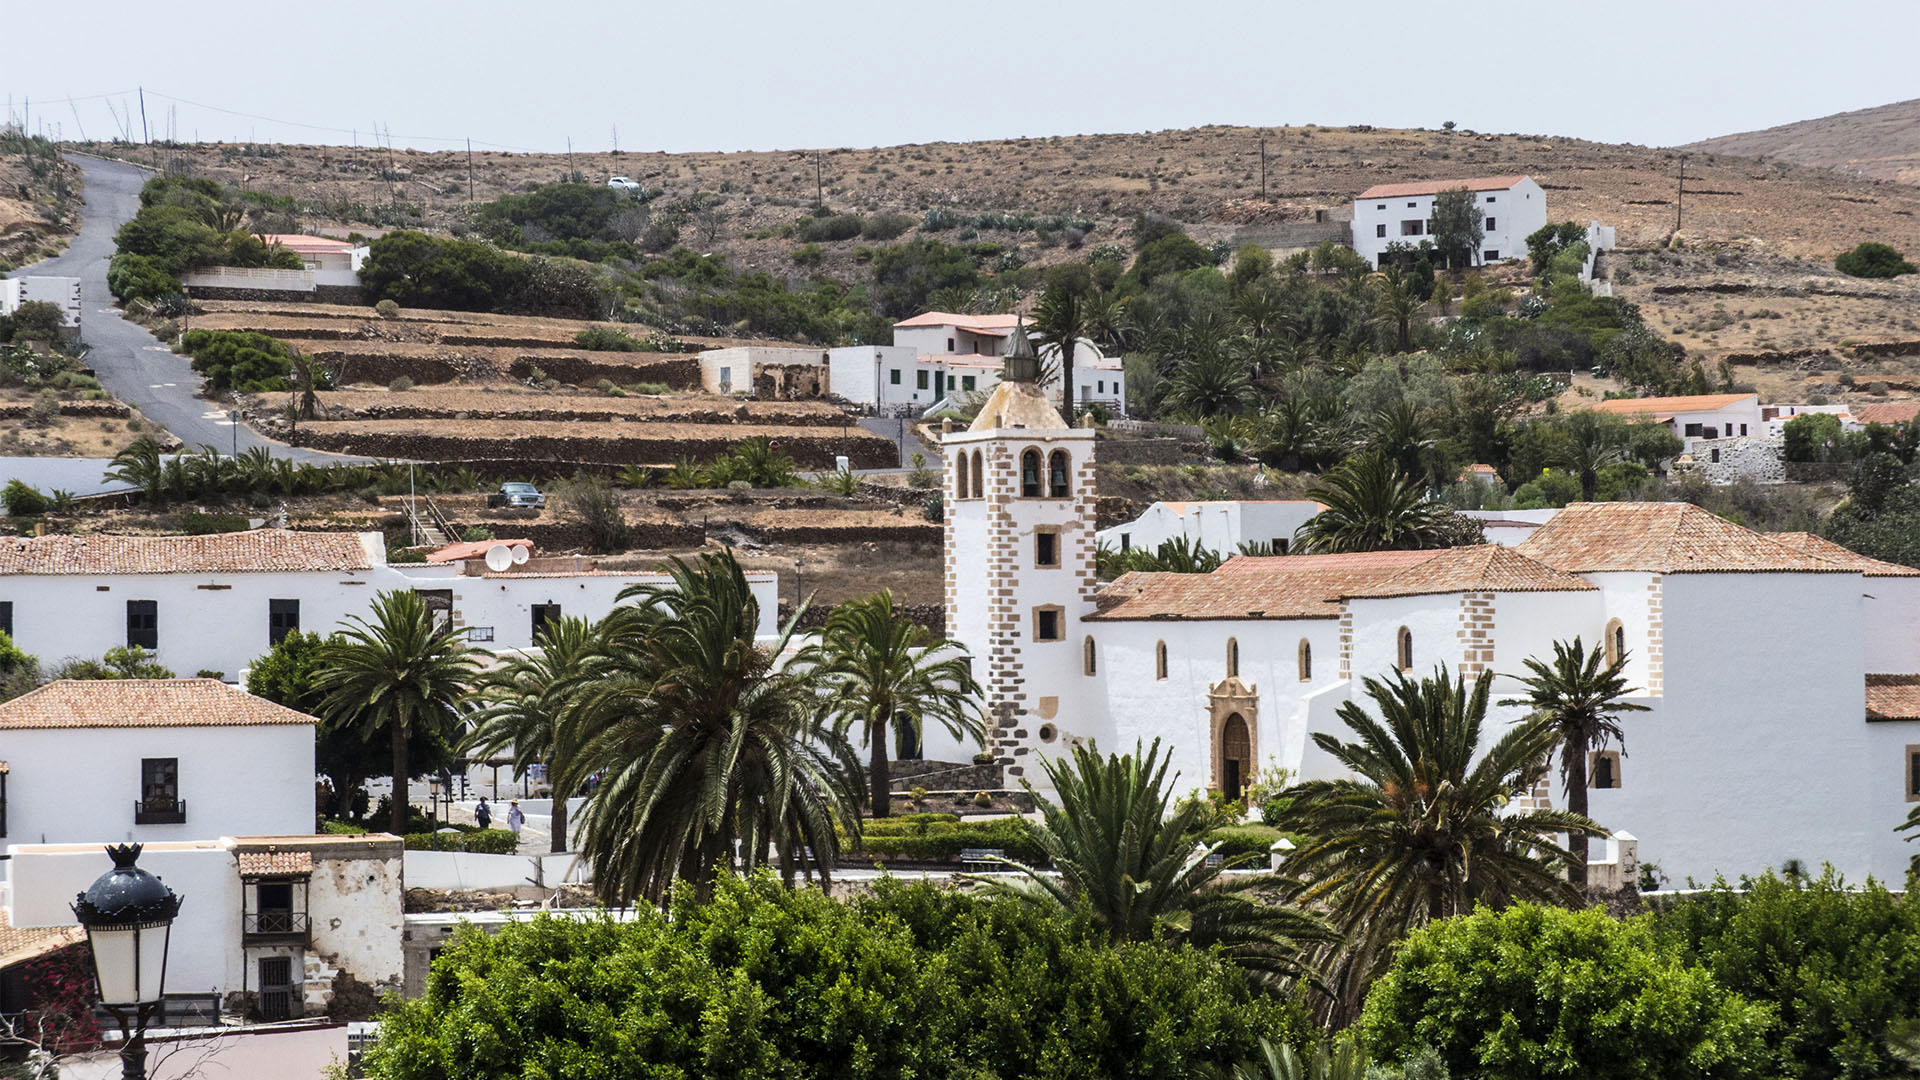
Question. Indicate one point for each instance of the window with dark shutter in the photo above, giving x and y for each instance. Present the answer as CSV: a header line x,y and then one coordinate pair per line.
x,y
283,618
143,624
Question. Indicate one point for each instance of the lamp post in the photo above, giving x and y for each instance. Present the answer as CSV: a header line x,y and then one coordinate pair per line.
x,y
128,915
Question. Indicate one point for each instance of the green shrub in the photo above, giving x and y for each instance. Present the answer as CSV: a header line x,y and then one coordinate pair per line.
x,y
194,523
1532,991
474,534
387,309
884,227
400,384
808,255
1246,845
607,339
23,500
240,360
136,277
942,842
1871,260
765,981
1840,964
828,230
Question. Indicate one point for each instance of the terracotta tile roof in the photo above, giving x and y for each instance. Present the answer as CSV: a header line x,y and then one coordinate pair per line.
x,y
1359,560
302,242
1480,568
1299,594
257,863
1181,508
1434,187
1018,405
474,549
1893,697
20,944
1886,412
1822,548
1668,405
143,703
1662,538
990,324
221,553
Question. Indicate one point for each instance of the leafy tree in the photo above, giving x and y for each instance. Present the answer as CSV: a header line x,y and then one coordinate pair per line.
x,y
1813,437
1169,254
908,981
402,671
1881,517
241,360
137,277
1456,227
1534,991
526,700
120,662
1140,868
886,674
1837,961
1872,260
705,744
1423,829
1371,506
1580,694
904,274
35,320
19,671
1549,240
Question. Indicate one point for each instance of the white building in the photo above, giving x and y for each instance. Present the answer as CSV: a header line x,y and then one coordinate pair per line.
x,y
938,356
1693,417
1780,672
1218,526
1509,527
769,372
332,262
214,603
1512,208
62,292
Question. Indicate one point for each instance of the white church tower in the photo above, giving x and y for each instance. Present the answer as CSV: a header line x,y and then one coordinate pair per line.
x,y
1020,564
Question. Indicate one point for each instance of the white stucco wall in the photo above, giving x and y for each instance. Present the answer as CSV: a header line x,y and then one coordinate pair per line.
x,y
79,785
1220,526
852,369
1516,212
731,370
1892,632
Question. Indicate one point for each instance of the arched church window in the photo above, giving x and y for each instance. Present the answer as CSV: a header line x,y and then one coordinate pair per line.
x,y
1057,466
1403,650
1160,660
964,486
1233,657
1306,660
1616,641
979,476
1030,474
1090,663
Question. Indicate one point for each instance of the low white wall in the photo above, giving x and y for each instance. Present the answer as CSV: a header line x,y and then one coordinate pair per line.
x,y
465,870
297,1053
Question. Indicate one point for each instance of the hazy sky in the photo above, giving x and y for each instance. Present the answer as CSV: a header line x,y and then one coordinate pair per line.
x,y
755,74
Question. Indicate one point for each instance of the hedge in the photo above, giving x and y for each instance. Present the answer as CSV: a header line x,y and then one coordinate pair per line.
x,y
478,842
1252,841
942,842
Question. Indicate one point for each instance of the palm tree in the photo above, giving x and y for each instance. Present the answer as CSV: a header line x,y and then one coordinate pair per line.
x,y
1140,868
1404,436
884,672
307,377
1371,506
1210,383
1334,1059
1109,321
399,672
526,700
1423,829
1579,694
1397,303
702,742
141,466
1061,320
1593,442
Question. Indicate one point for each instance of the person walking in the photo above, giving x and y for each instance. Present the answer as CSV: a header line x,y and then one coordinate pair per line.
x,y
515,819
483,814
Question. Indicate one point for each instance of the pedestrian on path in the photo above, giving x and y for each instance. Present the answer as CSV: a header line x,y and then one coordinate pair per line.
x,y
483,814
515,818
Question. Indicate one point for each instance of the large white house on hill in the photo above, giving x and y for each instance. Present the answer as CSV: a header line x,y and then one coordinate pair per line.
x,y
1782,673
1511,207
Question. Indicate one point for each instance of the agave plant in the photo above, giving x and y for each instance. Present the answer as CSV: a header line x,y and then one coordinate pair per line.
x,y
686,474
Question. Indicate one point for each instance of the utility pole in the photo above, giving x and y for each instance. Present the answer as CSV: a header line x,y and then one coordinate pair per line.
x,y
1263,170
570,169
1680,194
819,189
144,136
469,169
616,140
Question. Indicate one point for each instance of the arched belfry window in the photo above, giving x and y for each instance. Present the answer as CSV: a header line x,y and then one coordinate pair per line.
x,y
1030,474
1403,650
1233,657
1306,660
1616,641
979,477
1057,468
960,474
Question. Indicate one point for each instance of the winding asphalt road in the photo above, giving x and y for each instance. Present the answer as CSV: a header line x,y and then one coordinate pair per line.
x,y
132,364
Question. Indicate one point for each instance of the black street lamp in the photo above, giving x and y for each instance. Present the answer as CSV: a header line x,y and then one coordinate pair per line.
x,y
128,915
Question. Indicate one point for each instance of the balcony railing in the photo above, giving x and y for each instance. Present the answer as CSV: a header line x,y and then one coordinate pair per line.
x,y
276,924
160,812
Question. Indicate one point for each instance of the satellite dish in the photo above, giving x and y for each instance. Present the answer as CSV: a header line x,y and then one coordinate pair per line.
x,y
520,554
499,558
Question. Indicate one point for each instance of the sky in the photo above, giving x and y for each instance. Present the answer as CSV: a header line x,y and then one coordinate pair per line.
x,y
765,75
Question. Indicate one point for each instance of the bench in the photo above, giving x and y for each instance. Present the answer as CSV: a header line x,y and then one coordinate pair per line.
x,y
983,860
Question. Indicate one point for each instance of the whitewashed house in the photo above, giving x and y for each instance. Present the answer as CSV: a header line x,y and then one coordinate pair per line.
x,y
1512,208
218,786
331,262
214,603
1693,417
938,356
62,292
769,372
1220,526
1781,672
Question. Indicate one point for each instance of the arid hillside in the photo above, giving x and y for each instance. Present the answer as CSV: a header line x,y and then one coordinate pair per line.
x,y
39,196
1882,142
1208,178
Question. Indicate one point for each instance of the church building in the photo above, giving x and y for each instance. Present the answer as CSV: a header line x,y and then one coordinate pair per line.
x,y
1782,672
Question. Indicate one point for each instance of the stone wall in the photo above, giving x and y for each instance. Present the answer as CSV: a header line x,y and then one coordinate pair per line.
x,y
1723,461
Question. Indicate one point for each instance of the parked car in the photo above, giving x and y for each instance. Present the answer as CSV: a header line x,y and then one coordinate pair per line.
x,y
517,495
623,183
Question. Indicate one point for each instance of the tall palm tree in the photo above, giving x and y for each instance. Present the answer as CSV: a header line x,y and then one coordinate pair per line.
x,y
1371,506
527,699
142,466
1579,694
1397,303
391,675
1140,868
1061,319
1210,383
1423,828
1109,319
885,673
702,741
1593,442
1405,437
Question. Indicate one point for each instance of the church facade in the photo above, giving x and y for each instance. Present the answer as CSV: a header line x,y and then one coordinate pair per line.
x,y
1781,672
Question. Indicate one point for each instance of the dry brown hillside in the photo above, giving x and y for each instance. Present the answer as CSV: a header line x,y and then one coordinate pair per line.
x,y
1882,142
1206,177
38,202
